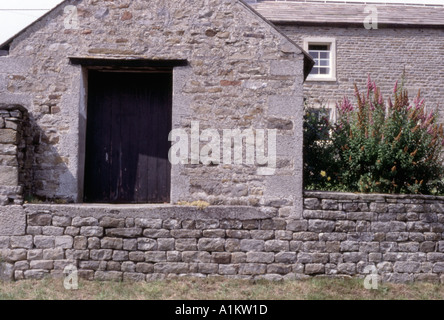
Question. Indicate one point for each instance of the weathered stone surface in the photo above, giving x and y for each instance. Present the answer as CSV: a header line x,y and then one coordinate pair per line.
x,y
36,274
321,226
53,254
165,244
286,257
186,245
108,276
171,267
252,268
124,232
186,233
6,271
221,257
8,136
64,242
277,245
52,231
120,255
314,268
21,242
148,223
101,254
260,257
145,244
9,176
211,244
407,266
252,245
84,221
110,222
111,243
92,231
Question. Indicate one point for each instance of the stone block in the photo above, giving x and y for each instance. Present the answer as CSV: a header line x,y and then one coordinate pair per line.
x,y
148,223
186,233
111,243
252,245
84,221
53,254
211,244
279,268
124,232
407,266
120,255
252,268
277,245
108,276
260,257
25,242
101,254
8,136
92,231
145,244
321,226
12,221
314,268
286,257
186,245
165,244
171,267
110,222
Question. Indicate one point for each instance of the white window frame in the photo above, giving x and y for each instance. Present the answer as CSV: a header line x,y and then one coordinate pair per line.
x,y
323,41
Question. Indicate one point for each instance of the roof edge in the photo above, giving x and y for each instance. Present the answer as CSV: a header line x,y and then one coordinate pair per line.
x,y
381,25
308,60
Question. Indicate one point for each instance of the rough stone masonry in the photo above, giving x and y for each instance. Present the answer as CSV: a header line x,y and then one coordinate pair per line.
x,y
340,234
241,73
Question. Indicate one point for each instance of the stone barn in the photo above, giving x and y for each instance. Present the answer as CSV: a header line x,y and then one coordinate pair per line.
x,y
102,85
89,95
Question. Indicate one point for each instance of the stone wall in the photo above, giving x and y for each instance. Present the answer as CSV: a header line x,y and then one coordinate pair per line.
x,y
15,165
385,54
340,234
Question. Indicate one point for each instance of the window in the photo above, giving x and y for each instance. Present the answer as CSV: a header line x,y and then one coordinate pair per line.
x,y
323,52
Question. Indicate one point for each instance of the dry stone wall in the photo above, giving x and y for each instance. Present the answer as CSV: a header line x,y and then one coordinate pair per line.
x,y
15,150
339,234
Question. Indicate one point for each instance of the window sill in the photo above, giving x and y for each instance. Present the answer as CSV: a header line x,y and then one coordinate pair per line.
x,y
320,79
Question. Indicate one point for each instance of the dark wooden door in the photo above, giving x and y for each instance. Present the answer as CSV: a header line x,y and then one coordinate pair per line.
x,y
128,122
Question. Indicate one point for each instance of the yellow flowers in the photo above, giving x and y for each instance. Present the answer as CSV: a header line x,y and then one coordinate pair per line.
x,y
324,174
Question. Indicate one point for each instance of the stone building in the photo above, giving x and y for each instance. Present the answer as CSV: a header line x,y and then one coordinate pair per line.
x,y
216,62
408,40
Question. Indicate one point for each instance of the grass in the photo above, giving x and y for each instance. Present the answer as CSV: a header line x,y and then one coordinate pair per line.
x,y
219,289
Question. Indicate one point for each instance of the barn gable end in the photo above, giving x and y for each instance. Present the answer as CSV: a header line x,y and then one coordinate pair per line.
x,y
239,73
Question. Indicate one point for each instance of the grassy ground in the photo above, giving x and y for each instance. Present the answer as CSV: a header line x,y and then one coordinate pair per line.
x,y
218,289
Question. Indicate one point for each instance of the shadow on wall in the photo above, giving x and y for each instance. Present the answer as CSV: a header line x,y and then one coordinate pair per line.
x,y
44,166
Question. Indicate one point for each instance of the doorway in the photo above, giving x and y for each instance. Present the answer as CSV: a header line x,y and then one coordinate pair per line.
x,y
129,116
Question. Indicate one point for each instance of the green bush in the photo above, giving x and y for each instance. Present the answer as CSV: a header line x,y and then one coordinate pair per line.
x,y
376,147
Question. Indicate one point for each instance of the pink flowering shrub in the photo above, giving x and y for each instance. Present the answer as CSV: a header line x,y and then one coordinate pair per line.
x,y
392,147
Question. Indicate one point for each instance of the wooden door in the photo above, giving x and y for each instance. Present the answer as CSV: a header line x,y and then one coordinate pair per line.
x,y
128,122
